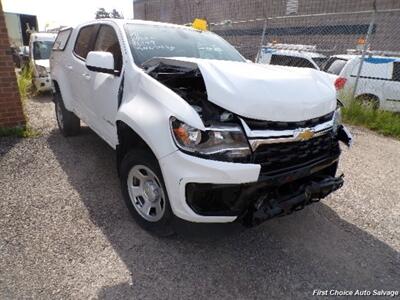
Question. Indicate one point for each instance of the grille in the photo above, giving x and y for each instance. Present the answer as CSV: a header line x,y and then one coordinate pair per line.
x,y
272,125
284,156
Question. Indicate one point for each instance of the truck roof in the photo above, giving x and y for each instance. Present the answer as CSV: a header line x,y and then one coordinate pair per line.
x,y
122,22
297,53
350,56
43,36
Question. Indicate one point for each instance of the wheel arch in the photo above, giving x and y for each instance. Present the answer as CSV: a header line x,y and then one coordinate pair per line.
x,y
369,95
129,139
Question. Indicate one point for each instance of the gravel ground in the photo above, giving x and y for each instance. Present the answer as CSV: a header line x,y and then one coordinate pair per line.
x,y
65,232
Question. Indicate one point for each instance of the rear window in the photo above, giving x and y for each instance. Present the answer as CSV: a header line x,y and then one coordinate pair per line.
x,y
293,61
396,71
335,65
62,40
83,44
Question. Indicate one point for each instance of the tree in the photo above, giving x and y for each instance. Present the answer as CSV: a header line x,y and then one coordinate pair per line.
x,y
101,13
116,15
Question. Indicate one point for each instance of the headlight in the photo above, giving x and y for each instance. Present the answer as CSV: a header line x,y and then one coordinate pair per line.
x,y
41,71
226,143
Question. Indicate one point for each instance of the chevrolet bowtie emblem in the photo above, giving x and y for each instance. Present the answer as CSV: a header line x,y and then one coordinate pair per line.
x,y
304,135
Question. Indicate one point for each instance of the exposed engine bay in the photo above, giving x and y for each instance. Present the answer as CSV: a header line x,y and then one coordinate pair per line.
x,y
187,81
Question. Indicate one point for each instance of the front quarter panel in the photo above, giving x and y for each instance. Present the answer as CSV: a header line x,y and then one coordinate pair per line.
x,y
147,108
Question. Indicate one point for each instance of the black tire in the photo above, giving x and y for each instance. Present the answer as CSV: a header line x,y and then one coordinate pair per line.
x,y
68,123
369,101
136,158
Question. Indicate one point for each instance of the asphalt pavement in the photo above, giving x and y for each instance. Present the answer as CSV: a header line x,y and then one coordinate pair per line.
x,y
66,233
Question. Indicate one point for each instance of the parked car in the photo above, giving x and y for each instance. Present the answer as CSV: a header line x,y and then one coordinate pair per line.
x,y
303,56
40,45
24,55
200,133
379,82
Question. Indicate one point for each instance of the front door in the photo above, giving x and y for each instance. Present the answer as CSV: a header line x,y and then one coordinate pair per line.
x,y
103,101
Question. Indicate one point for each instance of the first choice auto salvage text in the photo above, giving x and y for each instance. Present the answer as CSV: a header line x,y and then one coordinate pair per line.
x,y
338,293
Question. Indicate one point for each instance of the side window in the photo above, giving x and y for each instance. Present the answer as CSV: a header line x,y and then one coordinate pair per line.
x,y
293,61
107,41
83,41
301,63
279,60
62,39
396,71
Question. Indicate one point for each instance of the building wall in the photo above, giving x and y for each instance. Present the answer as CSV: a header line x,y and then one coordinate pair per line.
x,y
11,113
184,11
338,32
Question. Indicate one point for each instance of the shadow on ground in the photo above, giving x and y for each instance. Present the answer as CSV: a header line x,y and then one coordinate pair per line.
x,y
283,258
7,143
42,97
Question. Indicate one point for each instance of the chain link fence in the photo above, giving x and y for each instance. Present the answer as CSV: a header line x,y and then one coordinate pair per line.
x,y
357,41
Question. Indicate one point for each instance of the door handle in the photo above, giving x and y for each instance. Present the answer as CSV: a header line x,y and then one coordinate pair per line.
x,y
69,67
86,76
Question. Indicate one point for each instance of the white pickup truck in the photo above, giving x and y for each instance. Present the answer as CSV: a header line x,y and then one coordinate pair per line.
x,y
200,133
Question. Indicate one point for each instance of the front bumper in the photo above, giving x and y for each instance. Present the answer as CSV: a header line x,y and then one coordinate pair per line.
x,y
269,196
207,191
180,169
42,84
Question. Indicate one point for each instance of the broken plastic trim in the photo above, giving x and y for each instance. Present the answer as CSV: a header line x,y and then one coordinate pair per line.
x,y
345,136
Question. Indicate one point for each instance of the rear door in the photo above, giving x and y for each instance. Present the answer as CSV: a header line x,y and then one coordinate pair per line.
x,y
104,98
392,89
79,75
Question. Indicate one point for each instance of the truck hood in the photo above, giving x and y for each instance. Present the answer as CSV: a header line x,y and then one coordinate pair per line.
x,y
265,92
43,63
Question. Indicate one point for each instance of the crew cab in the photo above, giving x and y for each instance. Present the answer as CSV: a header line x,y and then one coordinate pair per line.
x,y
200,133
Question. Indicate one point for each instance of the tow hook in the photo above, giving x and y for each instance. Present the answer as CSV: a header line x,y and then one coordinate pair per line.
x,y
269,206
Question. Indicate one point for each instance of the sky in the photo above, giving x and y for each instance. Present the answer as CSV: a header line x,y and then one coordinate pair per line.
x,y
54,13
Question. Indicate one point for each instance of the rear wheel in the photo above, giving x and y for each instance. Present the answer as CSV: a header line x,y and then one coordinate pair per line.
x,y
369,100
68,123
144,192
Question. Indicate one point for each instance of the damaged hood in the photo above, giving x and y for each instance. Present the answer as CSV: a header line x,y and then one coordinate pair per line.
x,y
264,92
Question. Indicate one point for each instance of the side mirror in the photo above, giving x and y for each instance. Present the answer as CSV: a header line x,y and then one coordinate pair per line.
x,y
100,61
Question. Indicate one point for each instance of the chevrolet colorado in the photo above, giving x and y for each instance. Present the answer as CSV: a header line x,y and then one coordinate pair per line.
x,y
200,133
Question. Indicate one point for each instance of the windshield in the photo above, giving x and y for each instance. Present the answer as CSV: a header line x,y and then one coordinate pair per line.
x,y
334,65
149,41
42,49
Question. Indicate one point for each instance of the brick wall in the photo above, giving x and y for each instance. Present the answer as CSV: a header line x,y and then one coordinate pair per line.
x,y
11,113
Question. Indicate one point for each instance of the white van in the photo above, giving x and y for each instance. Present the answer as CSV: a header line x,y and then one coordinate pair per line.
x,y
379,81
40,46
303,56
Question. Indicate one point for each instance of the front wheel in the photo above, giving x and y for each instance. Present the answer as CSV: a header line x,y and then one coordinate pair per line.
x,y
144,192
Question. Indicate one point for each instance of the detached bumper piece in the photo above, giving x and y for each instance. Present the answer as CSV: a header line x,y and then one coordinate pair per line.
x,y
273,204
269,197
